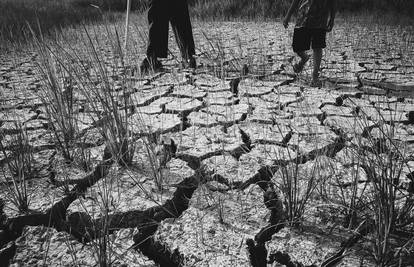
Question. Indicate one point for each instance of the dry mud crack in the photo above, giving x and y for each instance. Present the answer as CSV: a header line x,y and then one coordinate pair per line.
x,y
221,202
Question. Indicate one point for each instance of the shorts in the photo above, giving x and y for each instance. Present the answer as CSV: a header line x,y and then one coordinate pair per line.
x,y
303,38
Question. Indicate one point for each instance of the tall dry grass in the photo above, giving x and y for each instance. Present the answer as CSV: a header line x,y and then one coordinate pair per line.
x,y
48,15
20,167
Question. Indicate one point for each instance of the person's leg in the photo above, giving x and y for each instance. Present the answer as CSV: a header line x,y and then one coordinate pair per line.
x,y
157,35
181,25
304,57
317,59
301,43
318,44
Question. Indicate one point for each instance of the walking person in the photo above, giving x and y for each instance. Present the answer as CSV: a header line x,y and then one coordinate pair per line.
x,y
314,19
160,14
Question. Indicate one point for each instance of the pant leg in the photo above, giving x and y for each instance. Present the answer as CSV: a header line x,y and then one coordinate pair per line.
x,y
181,25
318,38
301,39
158,19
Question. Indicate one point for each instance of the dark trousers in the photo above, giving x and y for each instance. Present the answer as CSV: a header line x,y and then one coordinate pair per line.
x,y
160,14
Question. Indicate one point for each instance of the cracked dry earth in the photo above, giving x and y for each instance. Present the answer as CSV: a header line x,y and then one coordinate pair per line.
x,y
215,184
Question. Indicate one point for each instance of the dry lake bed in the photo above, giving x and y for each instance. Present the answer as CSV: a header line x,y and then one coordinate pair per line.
x,y
237,163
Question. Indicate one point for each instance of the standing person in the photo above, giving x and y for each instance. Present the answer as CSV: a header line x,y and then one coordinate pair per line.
x,y
314,19
160,14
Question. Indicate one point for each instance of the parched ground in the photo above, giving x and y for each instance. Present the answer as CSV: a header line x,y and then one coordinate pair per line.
x,y
244,84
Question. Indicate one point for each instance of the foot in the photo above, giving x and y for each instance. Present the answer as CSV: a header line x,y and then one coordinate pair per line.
x,y
298,67
189,63
150,64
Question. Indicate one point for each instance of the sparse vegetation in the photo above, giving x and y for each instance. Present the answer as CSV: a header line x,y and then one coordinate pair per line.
x,y
58,97
20,167
388,204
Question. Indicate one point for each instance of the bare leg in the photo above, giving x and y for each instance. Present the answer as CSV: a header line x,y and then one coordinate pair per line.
x,y
317,59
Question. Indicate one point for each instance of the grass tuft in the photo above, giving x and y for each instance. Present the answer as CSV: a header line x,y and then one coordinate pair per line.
x,y
20,165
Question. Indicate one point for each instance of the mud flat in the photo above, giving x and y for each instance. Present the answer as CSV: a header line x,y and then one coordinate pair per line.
x,y
219,198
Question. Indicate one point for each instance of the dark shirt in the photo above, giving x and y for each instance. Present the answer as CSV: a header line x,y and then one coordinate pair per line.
x,y
313,14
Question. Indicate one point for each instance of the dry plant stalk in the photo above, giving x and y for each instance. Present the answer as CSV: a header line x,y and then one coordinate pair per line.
x,y
20,164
